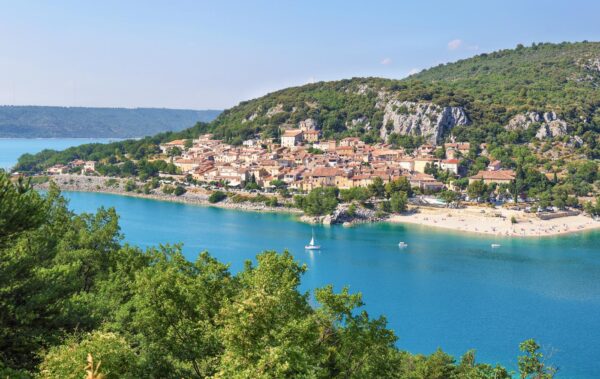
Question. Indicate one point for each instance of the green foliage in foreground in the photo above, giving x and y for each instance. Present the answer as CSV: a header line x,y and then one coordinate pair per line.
x,y
68,288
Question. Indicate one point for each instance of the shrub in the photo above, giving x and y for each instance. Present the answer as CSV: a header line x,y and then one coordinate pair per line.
x,y
168,190
118,360
352,210
398,202
216,197
271,202
179,190
130,186
320,201
112,182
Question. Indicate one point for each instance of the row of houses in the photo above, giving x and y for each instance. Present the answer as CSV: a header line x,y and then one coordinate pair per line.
x,y
86,167
345,164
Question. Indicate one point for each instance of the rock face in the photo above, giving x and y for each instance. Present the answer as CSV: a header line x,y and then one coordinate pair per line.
x,y
276,109
420,119
357,122
341,215
308,124
548,124
592,64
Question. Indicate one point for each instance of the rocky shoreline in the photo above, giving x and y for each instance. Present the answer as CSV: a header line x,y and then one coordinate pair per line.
x,y
82,183
344,216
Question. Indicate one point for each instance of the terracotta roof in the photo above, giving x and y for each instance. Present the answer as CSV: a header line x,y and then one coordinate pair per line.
x,y
326,171
422,177
292,133
428,159
495,175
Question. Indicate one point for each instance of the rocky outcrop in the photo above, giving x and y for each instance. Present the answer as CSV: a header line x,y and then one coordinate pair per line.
x,y
592,64
342,215
420,119
252,117
359,121
276,109
308,124
548,124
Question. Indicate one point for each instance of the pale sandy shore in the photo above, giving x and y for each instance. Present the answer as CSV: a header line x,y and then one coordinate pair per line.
x,y
495,222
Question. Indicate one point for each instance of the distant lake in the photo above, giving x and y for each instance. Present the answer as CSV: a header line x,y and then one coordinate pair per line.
x,y
448,290
12,148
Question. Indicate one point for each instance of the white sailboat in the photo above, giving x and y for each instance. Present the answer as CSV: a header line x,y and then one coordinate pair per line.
x,y
311,245
402,244
495,245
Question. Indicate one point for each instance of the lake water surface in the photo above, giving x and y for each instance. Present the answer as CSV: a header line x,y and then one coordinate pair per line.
x,y
448,290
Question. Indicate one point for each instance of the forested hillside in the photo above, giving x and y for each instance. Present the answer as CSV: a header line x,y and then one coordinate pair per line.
x,y
490,88
80,122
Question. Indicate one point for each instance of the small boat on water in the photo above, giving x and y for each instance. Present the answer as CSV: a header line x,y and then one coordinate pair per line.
x,y
311,245
495,245
402,244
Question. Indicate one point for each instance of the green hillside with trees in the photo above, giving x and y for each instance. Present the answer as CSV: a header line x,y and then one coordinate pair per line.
x,y
493,87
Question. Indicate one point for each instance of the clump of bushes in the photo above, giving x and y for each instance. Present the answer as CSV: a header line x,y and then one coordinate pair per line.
x,y
216,197
168,189
179,190
130,186
112,182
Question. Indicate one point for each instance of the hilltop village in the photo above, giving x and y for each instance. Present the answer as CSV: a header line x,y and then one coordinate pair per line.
x,y
302,162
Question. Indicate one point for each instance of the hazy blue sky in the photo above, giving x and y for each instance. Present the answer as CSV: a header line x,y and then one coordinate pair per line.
x,y
200,54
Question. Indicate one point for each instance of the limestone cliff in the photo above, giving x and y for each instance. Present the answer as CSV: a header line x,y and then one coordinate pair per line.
x,y
548,124
420,119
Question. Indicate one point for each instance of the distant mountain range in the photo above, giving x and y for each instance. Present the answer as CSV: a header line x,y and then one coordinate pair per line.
x,y
56,122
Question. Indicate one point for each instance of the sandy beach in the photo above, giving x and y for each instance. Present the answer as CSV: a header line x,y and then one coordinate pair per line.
x,y
495,221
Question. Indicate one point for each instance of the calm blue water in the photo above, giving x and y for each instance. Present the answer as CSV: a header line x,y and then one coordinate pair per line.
x,y
12,148
446,289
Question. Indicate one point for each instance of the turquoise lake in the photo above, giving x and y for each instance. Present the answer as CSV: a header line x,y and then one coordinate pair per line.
x,y
446,290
